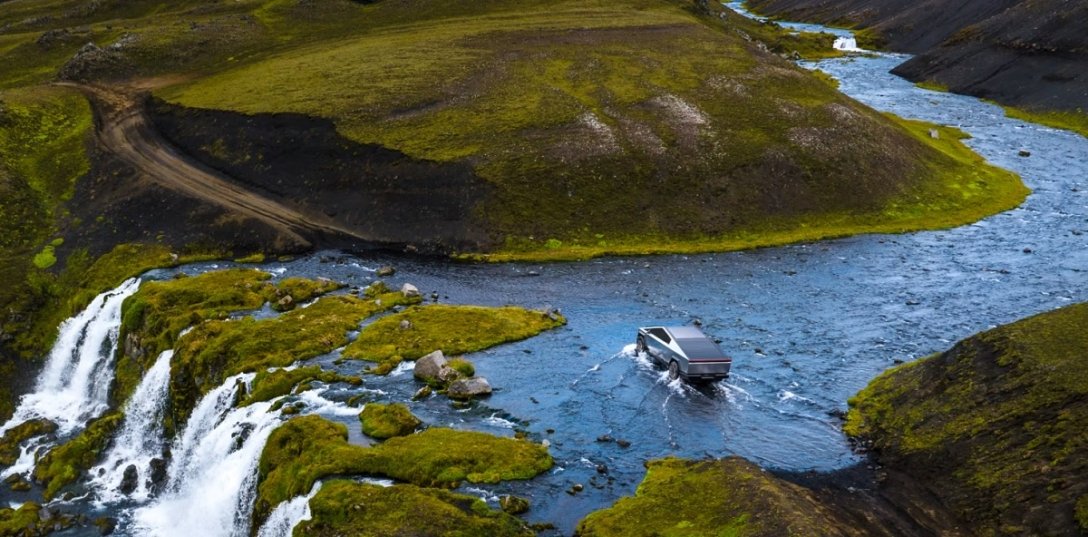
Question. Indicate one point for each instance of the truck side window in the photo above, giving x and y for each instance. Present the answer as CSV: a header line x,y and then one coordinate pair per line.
x,y
661,334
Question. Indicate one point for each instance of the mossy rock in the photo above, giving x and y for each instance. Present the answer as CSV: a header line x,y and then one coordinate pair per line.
x,y
462,366
270,385
21,521
63,465
992,425
386,421
349,508
308,448
216,350
9,444
722,498
452,329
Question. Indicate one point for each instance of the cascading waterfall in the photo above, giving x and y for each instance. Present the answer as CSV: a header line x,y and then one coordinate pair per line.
x,y
72,388
847,44
140,439
212,476
283,519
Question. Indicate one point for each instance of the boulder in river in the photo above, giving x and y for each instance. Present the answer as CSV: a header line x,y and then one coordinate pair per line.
x,y
129,480
385,272
409,290
515,505
469,388
428,367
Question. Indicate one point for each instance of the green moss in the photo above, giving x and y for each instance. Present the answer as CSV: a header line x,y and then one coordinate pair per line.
x,y
452,329
270,385
1082,512
45,258
348,508
308,448
735,498
993,424
17,522
257,257
215,350
386,421
1076,121
300,290
462,366
870,39
932,85
9,444
65,463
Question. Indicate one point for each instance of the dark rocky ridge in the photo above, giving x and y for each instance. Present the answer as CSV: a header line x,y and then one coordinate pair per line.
x,y
1024,53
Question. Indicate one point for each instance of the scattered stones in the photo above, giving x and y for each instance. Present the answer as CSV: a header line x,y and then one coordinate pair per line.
x,y
422,393
469,388
385,271
575,489
409,290
552,313
129,480
286,303
54,36
513,504
92,61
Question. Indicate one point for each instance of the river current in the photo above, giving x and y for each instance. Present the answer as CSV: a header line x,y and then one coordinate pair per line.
x,y
808,325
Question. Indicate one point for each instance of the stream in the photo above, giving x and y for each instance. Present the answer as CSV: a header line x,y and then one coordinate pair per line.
x,y
808,325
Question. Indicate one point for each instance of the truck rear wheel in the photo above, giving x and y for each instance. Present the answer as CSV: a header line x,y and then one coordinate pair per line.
x,y
640,346
674,370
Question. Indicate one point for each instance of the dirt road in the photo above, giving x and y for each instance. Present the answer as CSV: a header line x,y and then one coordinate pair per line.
x,y
123,128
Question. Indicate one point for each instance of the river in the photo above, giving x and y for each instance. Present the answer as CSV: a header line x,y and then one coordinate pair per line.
x,y
808,325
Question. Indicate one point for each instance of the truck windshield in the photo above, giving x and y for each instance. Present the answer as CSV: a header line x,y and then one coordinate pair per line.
x,y
700,348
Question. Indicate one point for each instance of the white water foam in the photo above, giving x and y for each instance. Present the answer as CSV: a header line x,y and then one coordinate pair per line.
x,y
212,478
141,436
846,44
283,519
73,386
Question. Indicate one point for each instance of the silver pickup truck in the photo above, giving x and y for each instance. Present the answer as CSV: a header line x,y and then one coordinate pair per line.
x,y
685,350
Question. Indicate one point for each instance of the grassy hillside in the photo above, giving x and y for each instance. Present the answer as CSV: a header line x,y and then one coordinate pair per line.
x,y
995,426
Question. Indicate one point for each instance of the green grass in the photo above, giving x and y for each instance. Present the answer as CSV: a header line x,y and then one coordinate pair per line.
x,y
1071,121
993,424
63,465
360,510
452,329
309,448
932,85
383,421
215,350
735,499
270,385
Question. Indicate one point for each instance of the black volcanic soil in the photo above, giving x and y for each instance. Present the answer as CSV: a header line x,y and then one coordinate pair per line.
x,y
1025,53
379,193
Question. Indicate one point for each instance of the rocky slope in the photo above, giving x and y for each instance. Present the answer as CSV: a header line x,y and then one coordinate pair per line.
x,y
1023,53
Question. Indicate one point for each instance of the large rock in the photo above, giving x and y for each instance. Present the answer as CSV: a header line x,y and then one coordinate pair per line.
x,y
469,388
409,290
430,366
130,480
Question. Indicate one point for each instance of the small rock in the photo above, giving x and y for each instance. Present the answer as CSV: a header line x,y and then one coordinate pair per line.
x,y
533,399
1024,153
897,361
623,443
545,442
158,474
602,469
434,297
532,273
106,525
549,431
469,388
423,393
405,324
385,272
1027,250
577,487
129,480
286,302
45,514
409,290
935,134
913,303
428,367
605,438
513,504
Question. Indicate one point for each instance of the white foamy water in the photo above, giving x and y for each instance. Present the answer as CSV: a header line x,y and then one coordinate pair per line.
x,y
73,386
213,474
141,436
846,44
283,519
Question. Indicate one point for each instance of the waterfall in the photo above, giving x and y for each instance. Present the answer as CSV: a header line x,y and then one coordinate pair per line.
x,y
283,519
72,388
140,439
848,44
212,477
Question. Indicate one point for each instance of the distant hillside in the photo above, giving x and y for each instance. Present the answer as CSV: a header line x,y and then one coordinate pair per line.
x,y
1031,54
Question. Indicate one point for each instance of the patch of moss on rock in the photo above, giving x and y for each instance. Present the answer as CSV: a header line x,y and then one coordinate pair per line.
x,y
9,444
349,508
63,465
386,421
462,366
270,385
993,425
309,448
19,522
1082,512
452,329
216,350
730,497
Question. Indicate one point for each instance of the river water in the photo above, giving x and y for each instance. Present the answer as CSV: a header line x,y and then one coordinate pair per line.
x,y
808,325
